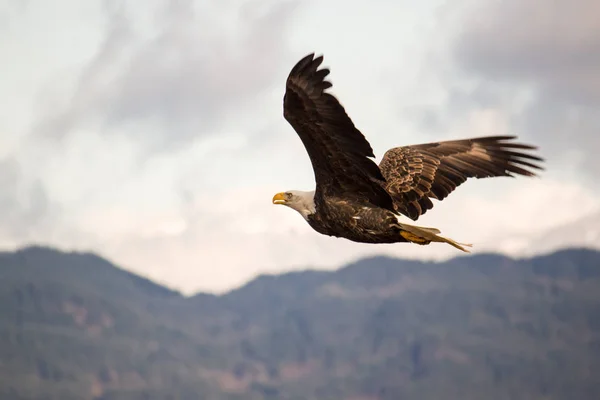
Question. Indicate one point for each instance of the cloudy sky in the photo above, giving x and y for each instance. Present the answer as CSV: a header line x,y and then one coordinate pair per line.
x,y
153,134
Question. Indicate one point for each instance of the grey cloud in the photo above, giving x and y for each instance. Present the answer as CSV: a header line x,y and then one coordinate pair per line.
x,y
95,85
185,79
551,49
24,206
458,103
554,46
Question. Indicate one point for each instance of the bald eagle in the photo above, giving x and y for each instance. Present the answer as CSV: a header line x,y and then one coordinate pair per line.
x,y
361,201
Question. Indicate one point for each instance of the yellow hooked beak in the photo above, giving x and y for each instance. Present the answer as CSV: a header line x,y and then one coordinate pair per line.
x,y
279,198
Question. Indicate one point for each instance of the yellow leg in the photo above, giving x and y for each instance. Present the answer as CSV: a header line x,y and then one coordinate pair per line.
x,y
414,238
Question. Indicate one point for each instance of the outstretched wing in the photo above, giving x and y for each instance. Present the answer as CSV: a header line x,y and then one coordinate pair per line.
x,y
339,153
416,174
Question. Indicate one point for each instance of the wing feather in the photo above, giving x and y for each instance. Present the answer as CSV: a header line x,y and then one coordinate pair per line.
x,y
415,174
339,152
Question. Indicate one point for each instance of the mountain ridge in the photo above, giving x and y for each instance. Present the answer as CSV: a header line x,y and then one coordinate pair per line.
x,y
379,259
75,326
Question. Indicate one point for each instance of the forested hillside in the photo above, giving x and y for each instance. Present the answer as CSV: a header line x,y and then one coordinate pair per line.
x,y
74,326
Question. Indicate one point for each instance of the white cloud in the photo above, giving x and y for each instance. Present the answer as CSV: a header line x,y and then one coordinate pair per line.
x,y
216,242
583,232
153,134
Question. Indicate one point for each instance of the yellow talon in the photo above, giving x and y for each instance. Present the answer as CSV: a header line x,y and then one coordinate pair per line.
x,y
414,238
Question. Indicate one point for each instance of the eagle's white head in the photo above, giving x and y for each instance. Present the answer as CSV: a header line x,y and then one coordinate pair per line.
x,y
299,200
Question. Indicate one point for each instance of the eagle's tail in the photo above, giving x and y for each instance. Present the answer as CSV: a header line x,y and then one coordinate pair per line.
x,y
423,235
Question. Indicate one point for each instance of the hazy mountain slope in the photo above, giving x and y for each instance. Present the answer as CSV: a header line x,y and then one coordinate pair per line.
x,y
485,326
75,326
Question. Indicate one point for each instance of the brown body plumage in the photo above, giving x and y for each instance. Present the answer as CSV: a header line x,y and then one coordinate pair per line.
x,y
359,200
